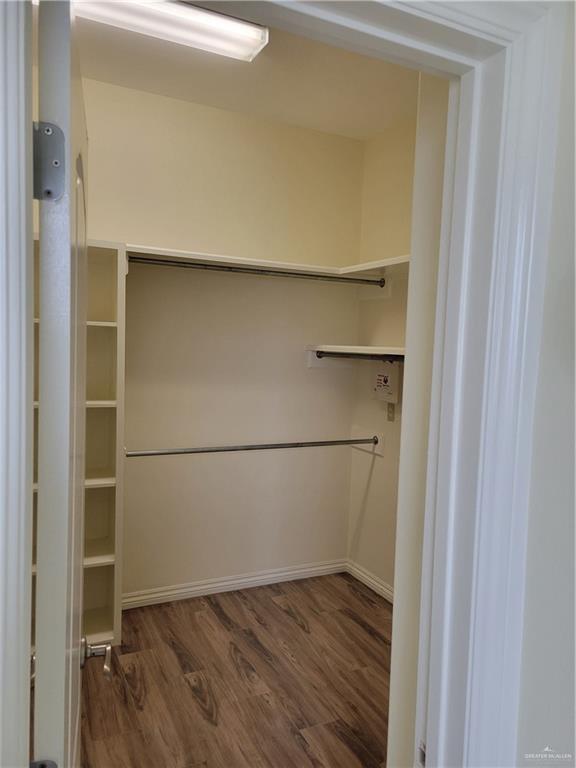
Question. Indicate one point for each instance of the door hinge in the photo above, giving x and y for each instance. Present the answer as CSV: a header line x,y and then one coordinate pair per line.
x,y
49,148
422,754
43,764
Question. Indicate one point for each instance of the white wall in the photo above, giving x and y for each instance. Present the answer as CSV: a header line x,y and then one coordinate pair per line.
x,y
547,705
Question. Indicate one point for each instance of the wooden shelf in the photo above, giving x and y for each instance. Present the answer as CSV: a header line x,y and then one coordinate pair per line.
x,y
367,269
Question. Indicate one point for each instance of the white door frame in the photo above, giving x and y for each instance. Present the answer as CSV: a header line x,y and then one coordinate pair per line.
x,y
504,59
16,364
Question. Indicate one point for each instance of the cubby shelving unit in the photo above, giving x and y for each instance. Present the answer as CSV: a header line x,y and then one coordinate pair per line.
x,y
103,490
106,272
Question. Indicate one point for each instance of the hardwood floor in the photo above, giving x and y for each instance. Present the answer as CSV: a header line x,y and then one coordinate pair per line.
x,y
294,675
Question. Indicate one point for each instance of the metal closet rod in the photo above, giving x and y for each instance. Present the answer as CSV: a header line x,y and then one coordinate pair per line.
x,y
255,447
362,356
213,267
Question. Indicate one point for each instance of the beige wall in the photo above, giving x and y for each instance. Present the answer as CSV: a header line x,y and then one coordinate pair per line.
x,y
220,359
374,479
386,216
170,173
186,176
216,359
547,703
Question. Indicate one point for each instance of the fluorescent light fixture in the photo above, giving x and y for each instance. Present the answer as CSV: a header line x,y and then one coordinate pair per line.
x,y
181,23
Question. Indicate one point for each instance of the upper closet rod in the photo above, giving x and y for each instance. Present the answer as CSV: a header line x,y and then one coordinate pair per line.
x,y
258,447
213,267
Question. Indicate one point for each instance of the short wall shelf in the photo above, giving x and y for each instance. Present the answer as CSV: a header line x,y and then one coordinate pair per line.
x,y
392,354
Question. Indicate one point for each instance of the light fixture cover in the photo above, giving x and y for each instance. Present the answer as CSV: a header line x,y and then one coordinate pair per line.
x,y
179,22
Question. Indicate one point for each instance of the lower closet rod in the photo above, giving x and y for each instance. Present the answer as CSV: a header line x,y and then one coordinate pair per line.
x,y
257,447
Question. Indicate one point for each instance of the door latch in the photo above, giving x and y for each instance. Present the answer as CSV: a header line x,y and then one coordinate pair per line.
x,y
49,157
89,650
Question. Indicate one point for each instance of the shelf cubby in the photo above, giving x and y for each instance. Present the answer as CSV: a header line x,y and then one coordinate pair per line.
x,y
99,603
99,526
36,361
100,443
35,448
102,285
101,362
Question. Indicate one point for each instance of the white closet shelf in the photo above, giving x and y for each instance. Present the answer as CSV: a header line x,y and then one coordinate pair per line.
x,y
100,482
367,269
92,404
92,323
374,268
93,482
358,350
101,323
97,561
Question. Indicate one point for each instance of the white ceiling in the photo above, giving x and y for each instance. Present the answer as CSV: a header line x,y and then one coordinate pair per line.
x,y
295,80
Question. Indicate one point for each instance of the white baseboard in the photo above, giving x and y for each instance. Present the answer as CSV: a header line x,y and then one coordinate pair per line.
x,y
374,582
230,583
260,578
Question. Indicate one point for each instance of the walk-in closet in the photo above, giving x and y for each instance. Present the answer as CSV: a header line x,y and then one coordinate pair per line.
x,y
247,290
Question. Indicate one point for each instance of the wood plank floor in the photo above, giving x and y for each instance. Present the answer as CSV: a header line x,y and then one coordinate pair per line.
x,y
290,675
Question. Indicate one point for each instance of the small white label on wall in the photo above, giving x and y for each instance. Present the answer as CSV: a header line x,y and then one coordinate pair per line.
x,y
386,384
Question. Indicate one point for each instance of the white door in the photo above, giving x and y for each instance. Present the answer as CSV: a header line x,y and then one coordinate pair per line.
x,y
62,341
